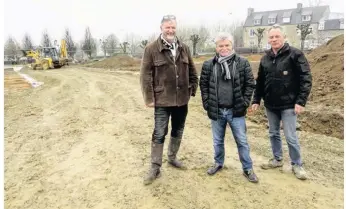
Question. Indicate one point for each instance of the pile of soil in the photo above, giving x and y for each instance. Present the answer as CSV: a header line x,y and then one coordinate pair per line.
x,y
119,62
324,111
327,67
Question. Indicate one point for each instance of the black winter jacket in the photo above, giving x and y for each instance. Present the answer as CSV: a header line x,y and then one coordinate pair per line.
x,y
283,80
243,86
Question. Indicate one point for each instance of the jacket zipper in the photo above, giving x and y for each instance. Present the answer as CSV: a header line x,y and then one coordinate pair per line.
x,y
233,75
217,92
176,80
274,62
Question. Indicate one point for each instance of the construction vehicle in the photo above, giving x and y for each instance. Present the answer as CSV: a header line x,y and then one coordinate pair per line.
x,y
47,57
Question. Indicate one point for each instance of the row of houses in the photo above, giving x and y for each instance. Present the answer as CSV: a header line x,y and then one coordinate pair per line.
x,y
323,23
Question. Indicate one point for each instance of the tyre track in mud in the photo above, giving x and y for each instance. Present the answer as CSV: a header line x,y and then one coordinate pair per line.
x,y
88,146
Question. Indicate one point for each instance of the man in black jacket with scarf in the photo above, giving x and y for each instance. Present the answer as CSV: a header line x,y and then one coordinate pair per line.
x,y
284,83
227,84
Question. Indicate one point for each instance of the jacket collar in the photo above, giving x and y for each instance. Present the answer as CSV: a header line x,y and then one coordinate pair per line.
x,y
162,46
283,49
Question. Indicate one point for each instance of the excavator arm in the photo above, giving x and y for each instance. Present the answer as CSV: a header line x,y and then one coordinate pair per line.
x,y
63,50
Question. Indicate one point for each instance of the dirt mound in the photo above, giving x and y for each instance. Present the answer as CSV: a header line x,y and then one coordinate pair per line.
x,y
327,67
324,112
336,44
118,62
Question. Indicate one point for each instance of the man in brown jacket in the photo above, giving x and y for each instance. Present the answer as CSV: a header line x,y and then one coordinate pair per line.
x,y
168,78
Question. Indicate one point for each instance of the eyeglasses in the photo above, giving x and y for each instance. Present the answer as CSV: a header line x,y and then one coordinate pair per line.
x,y
168,17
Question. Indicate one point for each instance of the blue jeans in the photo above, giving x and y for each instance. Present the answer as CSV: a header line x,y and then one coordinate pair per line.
x,y
289,120
238,128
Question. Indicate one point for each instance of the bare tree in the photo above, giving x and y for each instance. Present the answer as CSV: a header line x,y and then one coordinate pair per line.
x,y
11,48
133,41
195,39
70,44
184,33
259,34
112,42
144,43
124,45
238,36
46,40
89,44
304,30
27,42
204,35
235,28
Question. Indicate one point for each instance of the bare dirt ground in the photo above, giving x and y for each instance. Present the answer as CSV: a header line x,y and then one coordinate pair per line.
x,y
82,140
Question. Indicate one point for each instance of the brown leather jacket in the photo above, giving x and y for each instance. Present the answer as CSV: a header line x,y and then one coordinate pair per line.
x,y
166,82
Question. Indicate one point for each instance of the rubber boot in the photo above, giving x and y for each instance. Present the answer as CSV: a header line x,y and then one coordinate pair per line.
x,y
173,149
156,162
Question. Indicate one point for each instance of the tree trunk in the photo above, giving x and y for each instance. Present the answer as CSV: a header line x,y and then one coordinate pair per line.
x,y
194,49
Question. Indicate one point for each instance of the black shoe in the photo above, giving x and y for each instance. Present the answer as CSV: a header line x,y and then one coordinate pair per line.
x,y
215,168
251,176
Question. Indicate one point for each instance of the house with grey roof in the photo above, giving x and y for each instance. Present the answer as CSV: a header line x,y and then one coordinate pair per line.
x,y
330,28
288,19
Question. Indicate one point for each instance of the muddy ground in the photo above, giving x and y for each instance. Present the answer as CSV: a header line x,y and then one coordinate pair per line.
x,y
82,140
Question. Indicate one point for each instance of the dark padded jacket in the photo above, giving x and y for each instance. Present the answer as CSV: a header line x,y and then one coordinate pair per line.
x,y
283,80
243,86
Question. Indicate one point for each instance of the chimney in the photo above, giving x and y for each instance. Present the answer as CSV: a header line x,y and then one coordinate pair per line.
x,y
299,7
250,11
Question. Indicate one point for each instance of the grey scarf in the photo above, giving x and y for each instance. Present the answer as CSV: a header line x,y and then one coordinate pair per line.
x,y
224,66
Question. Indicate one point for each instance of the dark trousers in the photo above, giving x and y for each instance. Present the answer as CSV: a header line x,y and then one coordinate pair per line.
x,y
162,115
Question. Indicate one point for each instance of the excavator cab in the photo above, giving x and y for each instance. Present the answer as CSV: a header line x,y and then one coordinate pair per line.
x,y
48,57
51,53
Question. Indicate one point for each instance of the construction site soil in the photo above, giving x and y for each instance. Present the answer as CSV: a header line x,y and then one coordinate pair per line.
x,y
119,62
82,140
324,110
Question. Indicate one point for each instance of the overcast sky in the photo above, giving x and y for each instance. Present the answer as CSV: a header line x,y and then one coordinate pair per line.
x,y
120,17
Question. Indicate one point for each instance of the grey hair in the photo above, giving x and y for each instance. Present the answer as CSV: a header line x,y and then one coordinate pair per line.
x,y
277,26
221,36
167,18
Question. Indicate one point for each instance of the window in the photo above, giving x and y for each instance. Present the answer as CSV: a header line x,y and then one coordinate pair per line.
x,y
286,20
271,20
306,17
252,44
257,22
321,26
252,32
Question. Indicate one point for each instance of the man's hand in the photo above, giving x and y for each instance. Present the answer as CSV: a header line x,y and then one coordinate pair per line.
x,y
298,109
254,107
150,104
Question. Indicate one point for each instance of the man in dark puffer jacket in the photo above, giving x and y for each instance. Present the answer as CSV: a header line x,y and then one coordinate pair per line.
x,y
284,82
227,85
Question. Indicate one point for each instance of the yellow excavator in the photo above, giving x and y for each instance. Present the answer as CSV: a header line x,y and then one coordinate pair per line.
x,y
47,57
